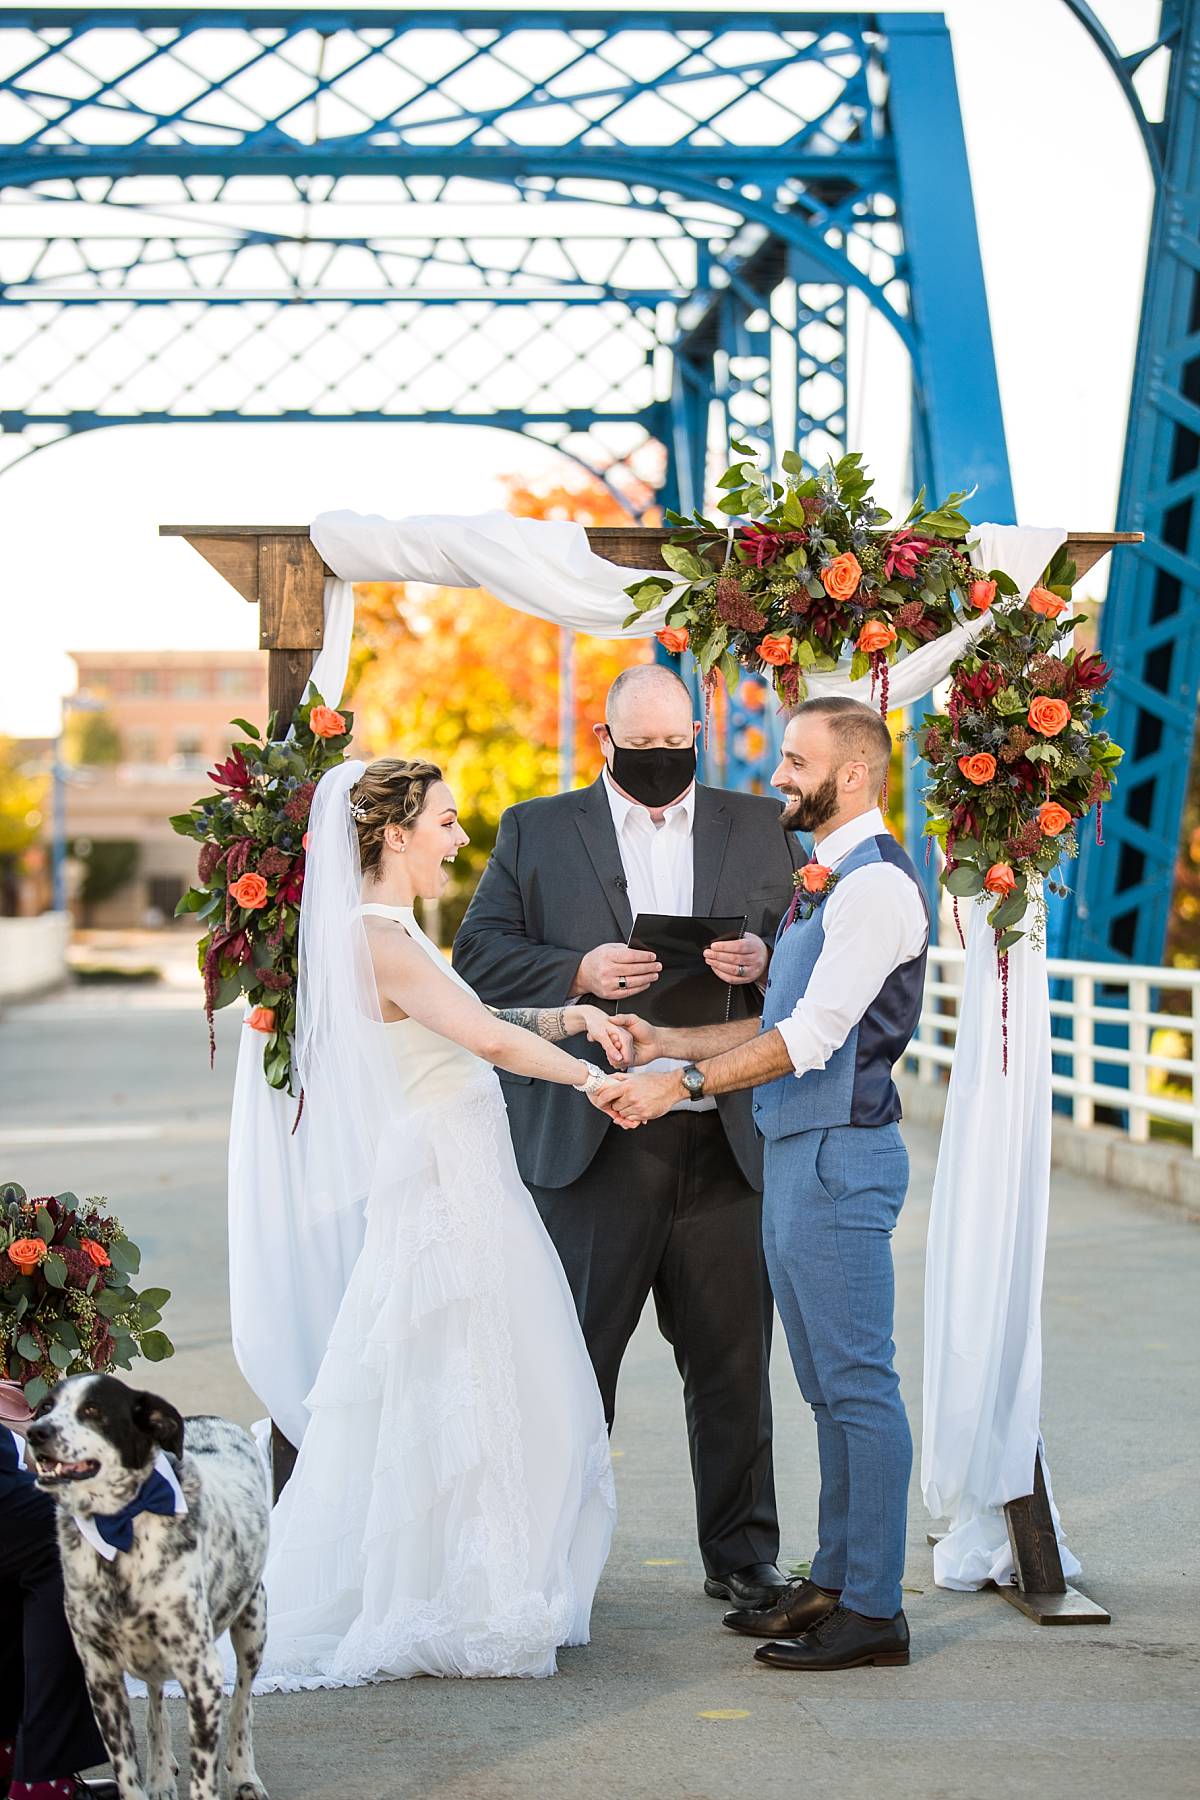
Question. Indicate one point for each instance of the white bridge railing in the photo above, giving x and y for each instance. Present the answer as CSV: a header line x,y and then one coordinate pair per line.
x,y
1120,1050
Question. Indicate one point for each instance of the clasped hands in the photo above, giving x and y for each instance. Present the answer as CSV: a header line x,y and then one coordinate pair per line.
x,y
629,1042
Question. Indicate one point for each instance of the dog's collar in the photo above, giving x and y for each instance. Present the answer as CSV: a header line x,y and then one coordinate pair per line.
x,y
150,1497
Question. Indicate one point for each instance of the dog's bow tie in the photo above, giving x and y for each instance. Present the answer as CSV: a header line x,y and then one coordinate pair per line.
x,y
159,1493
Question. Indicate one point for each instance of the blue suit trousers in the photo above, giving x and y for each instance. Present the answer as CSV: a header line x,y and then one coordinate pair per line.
x,y
830,1203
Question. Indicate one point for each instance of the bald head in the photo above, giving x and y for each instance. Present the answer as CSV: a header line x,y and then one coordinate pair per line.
x,y
649,704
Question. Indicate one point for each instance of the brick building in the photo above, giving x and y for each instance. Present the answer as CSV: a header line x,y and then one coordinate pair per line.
x,y
172,711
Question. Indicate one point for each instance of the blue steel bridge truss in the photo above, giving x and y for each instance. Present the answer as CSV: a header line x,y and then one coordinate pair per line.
x,y
623,235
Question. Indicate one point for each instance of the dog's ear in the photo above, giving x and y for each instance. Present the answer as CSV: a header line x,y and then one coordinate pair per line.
x,y
159,1420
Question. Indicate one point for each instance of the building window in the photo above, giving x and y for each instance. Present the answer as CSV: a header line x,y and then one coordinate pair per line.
x,y
145,681
189,751
143,747
189,684
235,681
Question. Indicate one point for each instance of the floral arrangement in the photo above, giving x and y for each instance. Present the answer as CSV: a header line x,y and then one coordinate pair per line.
x,y
66,1304
250,874
811,566
1018,759
817,569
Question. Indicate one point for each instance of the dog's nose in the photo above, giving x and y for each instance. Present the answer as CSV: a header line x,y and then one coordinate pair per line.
x,y
37,1433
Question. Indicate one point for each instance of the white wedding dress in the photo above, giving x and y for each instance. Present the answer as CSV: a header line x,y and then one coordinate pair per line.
x,y
452,1506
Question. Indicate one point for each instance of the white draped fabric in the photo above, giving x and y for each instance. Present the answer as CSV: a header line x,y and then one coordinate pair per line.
x,y
991,1196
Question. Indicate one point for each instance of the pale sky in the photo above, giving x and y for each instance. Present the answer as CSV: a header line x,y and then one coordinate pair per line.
x,y
1062,195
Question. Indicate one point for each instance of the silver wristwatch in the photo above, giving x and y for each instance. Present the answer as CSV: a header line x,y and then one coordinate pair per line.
x,y
595,1078
693,1081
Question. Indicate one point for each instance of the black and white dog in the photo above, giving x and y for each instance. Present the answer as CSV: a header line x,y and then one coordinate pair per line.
x,y
162,1548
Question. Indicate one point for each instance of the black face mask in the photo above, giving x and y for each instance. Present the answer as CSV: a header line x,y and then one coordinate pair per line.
x,y
655,777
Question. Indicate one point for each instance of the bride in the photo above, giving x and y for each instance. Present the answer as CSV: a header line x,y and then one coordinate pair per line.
x,y
452,1505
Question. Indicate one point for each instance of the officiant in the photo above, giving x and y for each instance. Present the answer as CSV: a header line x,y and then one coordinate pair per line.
x,y
674,1208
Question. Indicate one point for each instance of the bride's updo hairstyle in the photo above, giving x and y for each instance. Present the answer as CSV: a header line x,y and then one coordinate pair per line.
x,y
388,792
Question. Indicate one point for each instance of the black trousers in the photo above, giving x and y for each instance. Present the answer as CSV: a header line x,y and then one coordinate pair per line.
x,y
44,1701
666,1210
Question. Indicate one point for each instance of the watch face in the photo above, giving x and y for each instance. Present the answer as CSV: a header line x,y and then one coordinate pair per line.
x,y
693,1081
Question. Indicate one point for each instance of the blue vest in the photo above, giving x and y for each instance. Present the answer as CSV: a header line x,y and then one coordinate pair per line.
x,y
855,1087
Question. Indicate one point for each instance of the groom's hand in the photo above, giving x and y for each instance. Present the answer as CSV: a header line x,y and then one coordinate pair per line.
x,y
643,1036
644,1097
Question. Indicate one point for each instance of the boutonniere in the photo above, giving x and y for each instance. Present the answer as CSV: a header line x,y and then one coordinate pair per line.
x,y
813,883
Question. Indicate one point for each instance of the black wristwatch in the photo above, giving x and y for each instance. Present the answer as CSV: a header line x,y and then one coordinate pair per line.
x,y
693,1081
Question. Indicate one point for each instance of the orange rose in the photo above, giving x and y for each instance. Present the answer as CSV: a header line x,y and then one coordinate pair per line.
x,y
261,1018
981,594
814,876
304,842
776,650
1000,879
1041,600
323,722
674,639
27,1253
250,891
1049,716
1052,818
876,635
97,1252
840,580
979,768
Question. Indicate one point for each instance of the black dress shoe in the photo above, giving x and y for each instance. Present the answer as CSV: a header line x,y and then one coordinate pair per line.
x,y
796,1610
103,1789
843,1640
758,1584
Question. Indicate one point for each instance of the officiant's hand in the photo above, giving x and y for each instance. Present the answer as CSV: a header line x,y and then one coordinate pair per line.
x,y
642,1035
738,960
614,971
613,1038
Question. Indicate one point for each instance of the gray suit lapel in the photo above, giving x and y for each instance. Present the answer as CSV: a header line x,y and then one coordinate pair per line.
x,y
594,819
711,826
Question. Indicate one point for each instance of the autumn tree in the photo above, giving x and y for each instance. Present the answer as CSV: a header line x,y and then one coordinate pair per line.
x,y
459,677
23,799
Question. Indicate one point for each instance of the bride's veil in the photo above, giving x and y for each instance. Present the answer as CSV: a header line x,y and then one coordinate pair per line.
x,y
352,1091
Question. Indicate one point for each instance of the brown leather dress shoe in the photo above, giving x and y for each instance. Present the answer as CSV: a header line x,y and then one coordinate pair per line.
x,y
843,1640
800,1606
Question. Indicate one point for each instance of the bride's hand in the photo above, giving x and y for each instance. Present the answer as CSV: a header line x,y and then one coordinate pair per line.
x,y
613,1039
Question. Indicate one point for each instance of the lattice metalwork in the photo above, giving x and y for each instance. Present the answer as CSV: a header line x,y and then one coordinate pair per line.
x,y
1151,623
623,234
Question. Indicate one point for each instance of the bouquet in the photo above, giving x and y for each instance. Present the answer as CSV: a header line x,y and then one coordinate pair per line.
x,y
250,874
1018,759
66,1304
817,569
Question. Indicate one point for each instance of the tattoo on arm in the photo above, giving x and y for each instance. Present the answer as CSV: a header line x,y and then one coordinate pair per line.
x,y
547,1022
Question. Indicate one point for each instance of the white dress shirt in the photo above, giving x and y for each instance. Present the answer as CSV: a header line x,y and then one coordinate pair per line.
x,y
657,860
874,922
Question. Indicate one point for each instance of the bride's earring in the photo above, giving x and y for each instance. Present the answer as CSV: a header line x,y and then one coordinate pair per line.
x,y
400,846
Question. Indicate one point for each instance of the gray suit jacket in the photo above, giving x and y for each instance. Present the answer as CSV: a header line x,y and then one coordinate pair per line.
x,y
553,889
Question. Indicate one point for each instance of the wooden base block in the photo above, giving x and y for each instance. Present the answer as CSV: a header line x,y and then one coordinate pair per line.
x,y
1071,1608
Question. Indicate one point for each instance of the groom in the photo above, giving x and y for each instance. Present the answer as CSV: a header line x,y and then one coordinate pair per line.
x,y
842,1002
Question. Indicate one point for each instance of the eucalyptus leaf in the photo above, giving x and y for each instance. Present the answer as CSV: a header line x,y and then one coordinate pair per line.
x,y
29,1348
125,1256
60,1356
55,1271
156,1346
36,1391
45,1224
965,881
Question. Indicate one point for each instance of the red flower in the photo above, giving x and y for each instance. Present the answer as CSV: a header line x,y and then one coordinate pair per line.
x,y
765,545
982,686
233,774
903,554
290,888
1088,671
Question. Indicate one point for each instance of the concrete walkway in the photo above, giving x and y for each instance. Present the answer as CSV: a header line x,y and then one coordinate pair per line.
x,y
108,1092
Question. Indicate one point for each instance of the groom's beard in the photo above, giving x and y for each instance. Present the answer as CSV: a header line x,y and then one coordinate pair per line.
x,y
808,812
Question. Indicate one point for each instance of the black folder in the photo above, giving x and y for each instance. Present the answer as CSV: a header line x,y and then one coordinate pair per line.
x,y
687,992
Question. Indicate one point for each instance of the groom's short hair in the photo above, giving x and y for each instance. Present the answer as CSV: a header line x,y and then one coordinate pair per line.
x,y
858,731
